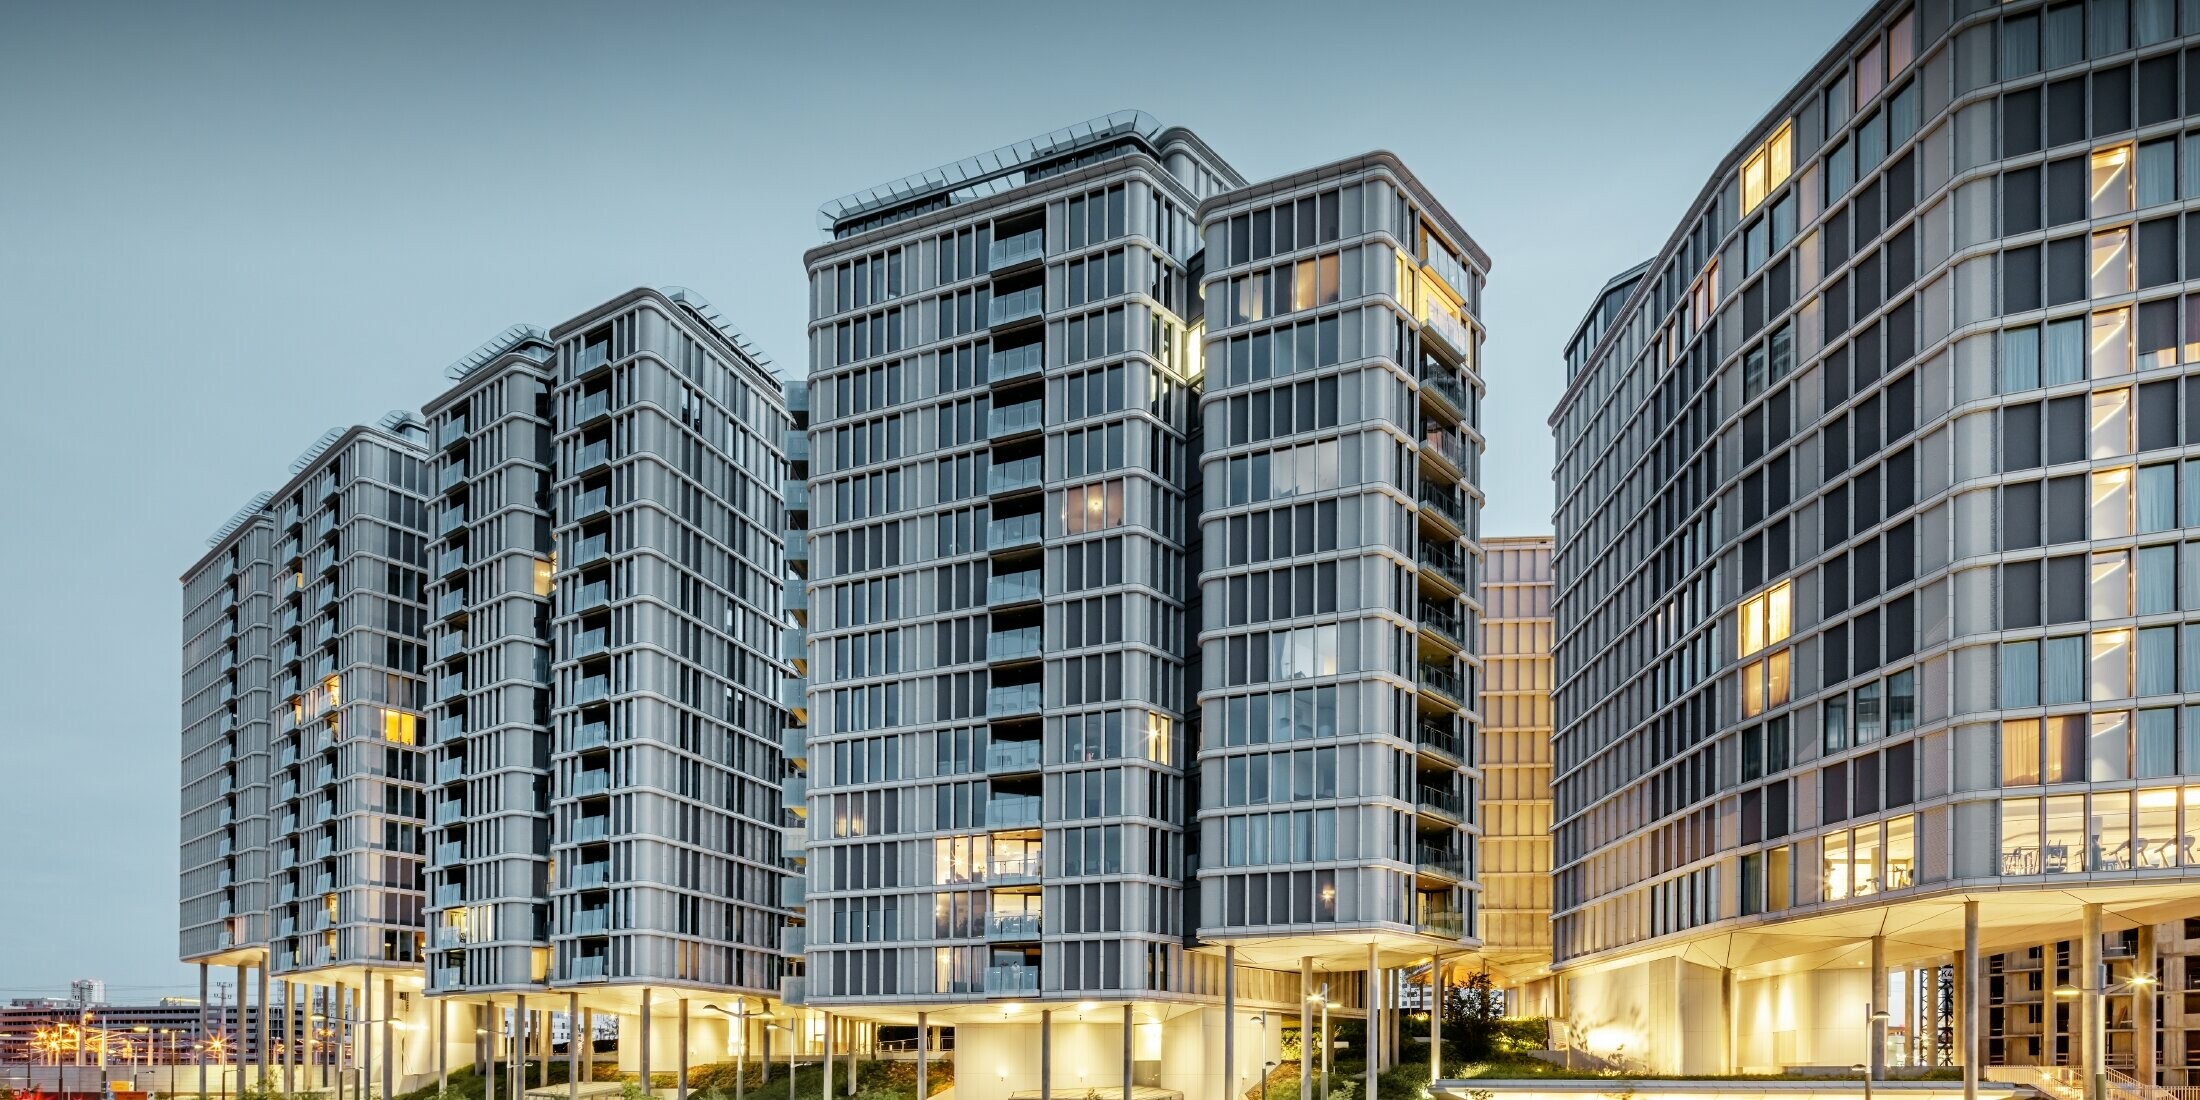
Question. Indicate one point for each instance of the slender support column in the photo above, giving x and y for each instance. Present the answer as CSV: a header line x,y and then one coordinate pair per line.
x,y
389,1037
316,1050
521,1047
364,1027
645,1042
1046,1054
2144,1009
442,1044
741,1055
2089,983
1229,1023
1967,1002
202,1030
1306,1029
588,1037
1729,1002
1876,1033
1435,1018
1329,1043
573,1040
1127,1062
290,1038
244,1023
1374,1019
852,1036
826,1093
924,1054
683,1085
260,1024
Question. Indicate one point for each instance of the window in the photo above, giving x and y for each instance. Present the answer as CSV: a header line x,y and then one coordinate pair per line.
x,y
2111,262
1765,684
2111,351
1766,619
2020,836
2111,508
1768,166
2111,193
2020,752
2110,665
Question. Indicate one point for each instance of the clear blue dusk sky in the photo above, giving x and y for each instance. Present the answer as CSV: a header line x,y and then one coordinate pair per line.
x,y
225,227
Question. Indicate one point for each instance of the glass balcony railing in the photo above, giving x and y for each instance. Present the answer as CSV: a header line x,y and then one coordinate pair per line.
x,y
592,405
1012,813
1445,679
592,781
1451,334
1448,503
591,357
592,689
454,517
1023,361
586,968
449,688
1447,923
590,922
451,432
450,854
1019,249
792,940
1016,868
1013,756
1012,926
591,503
591,874
1444,861
1028,416
794,892
1012,979
1015,531
450,771
1012,701
797,445
449,896
594,827
1016,306
1011,477
592,735
592,596
1447,445
1442,736
450,935
449,811
590,642
1446,561
1008,588
1019,644
1448,386
453,474
1440,800
1445,617
592,456
794,793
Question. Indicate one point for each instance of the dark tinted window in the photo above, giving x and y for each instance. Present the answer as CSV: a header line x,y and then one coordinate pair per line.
x,y
2020,279
2066,271
2066,589
2156,252
2066,191
2066,111
2066,429
2158,88
2065,510
2112,100
2157,407
2020,200
2020,436
2020,122
2020,515
2020,595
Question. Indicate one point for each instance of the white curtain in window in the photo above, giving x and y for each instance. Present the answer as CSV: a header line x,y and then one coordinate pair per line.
x,y
2065,356
2156,580
2062,679
2157,172
2020,678
2020,358
2157,503
2156,22
2111,27
2158,661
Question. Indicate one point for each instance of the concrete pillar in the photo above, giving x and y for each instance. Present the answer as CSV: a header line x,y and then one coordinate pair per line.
x,y
442,1044
827,1092
2088,981
260,1027
645,1043
1127,1072
588,1038
924,1054
1729,1006
201,1044
1374,1019
389,1037
573,1041
1306,1030
290,1038
366,1034
1435,1018
1876,1032
1046,1054
683,1085
852,1042
316,1050
244,1023
1229,1023
1969,964
2144,1006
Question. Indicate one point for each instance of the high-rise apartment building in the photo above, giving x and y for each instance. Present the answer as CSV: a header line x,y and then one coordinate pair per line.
x,y
524,691
1869,536
1142,617
1515,760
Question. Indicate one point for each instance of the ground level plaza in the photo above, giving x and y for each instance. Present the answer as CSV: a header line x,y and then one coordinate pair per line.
x,y
1810,986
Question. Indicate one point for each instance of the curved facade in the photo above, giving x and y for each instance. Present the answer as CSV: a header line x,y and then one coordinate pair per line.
x,y
1870,545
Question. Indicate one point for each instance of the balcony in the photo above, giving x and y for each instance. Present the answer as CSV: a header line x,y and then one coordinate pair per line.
x,y
450,895
449,811
797,445
592,781
1021,305
450,604
794,694
1445,621
586,875
794,991
591,596
454,474
1012,926
794,892
1450,448
1012,813
797,543
592,407
1013,756
1015,251
1448,388
450,853
1014,870
1013,477
592,828
1441,737
1447,503
592,735
1020,644
1014,532
794,793
1022,361
1445,679
798,602
1438,800
1012,701
1432,859
451,644
1012,979
450,727
448,977
1011,421
1446,923
450,935
594,502
792,939
592,689
593,357
1014,588
453,518
1444,561
794,744
585,968
591,550
1450,334
451,432
592,457
450,771
590,922
449,688
591,642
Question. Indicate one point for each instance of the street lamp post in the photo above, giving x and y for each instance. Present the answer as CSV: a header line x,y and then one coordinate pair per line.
x,y
1873,1018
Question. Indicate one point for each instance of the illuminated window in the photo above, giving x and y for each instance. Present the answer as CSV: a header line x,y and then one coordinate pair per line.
x,y
2112,182
2020,836
400,727
1093,507
2111,504
2109,670
2062,844
2109,596
544,570
2111,262
2111,432
2111,353
1767,618
1765,684
1871,73
1768,166
1839,872
2020,753
1901,852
